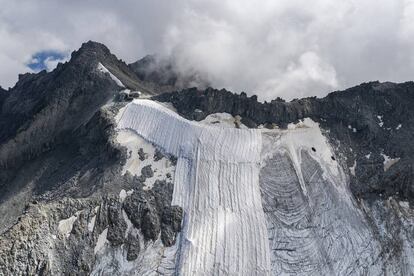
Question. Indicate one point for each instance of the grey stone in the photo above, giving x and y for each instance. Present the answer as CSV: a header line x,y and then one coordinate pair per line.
x,y
142,155
147,171
133,247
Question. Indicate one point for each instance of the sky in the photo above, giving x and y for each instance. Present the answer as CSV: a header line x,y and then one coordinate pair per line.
x,y
284,48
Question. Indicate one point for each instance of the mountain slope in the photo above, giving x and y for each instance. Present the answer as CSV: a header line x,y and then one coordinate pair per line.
x,y
198,182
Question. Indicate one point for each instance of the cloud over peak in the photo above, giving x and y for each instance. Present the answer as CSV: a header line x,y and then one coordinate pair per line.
x,y
271,48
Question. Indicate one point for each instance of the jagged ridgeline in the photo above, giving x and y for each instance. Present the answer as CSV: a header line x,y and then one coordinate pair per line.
x,y
108,168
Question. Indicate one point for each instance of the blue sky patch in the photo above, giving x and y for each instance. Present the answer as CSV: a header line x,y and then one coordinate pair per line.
x,y
45,60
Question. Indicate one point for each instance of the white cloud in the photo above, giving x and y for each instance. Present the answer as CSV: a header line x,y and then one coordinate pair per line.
x,y
51,63
287,48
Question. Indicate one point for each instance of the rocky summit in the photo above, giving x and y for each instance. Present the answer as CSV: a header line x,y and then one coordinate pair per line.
x,y
108,168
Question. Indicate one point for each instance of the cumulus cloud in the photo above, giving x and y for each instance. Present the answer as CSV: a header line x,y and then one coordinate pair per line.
x,y
286,48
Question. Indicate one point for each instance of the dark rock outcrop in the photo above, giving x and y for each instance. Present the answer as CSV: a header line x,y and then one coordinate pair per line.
x,y
147,172
151,211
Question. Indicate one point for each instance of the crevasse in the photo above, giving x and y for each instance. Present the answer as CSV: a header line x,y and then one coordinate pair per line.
x,y
217,184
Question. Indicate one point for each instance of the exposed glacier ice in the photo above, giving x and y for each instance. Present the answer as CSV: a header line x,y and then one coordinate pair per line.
x,y
314,227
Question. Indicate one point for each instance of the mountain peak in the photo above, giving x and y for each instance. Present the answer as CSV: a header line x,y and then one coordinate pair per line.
x,y
92,50
94,46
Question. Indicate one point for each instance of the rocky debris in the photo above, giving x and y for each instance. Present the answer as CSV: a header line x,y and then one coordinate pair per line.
x,y
158,155
147,172
135,94
27,247
133,247
116,223
52,253
142,155
173,160
151,210
123,96
171,224
128,95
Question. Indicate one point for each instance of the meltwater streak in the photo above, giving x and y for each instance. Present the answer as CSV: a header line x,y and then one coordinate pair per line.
x,y
217,184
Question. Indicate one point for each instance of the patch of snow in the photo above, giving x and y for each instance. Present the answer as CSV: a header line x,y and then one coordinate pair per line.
x,y
381,123
122,195
137,92
91,224
398,127
103,69
404,204
352,128
352,169
388,161
130,226
102,241
65,226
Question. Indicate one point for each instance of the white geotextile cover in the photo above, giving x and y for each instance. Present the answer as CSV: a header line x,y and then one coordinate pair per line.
x,y
217,184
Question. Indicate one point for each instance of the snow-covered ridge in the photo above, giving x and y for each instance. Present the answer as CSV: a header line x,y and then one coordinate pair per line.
x,y
103,69
217,184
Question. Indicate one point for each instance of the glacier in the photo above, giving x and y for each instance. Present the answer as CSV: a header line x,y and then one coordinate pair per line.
x,y
217,184
261,201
